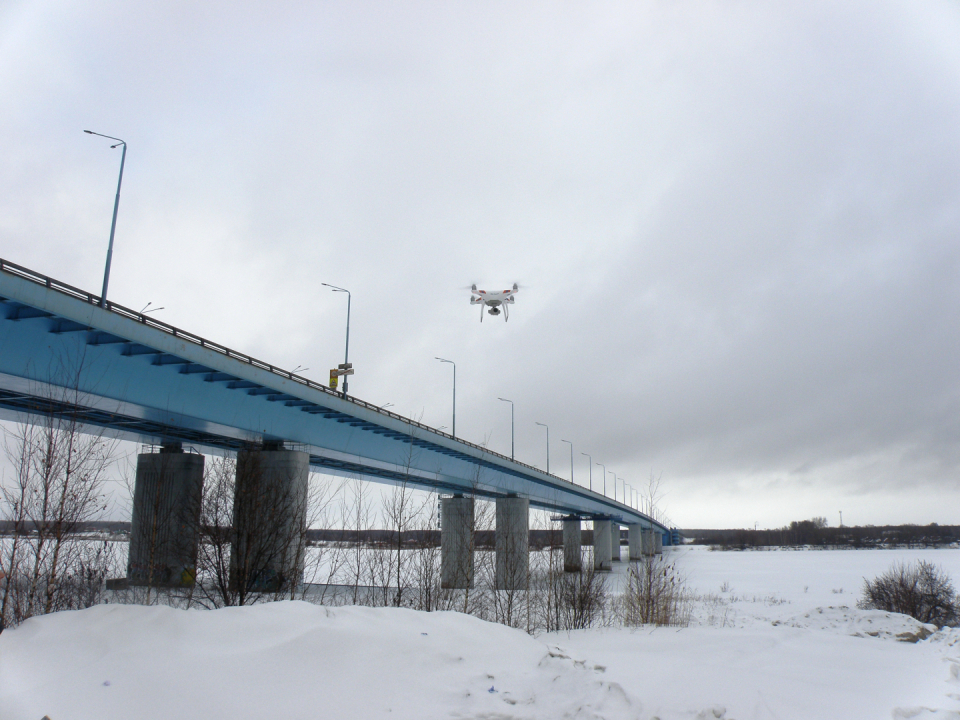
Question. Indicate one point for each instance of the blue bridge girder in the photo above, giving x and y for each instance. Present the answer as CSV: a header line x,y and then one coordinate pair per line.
x,y
115,370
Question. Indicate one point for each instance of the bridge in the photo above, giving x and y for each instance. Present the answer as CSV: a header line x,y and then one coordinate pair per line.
x,y
120,372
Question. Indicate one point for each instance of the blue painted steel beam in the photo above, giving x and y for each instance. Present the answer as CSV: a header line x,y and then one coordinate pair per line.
x,y
147,381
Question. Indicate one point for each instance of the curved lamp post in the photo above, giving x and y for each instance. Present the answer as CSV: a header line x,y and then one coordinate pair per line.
x,y
116,206
454,392
346,352
548,445
604,478
571,458
511,426
591,469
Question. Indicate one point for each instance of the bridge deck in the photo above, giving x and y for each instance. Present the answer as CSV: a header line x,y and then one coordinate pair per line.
x,y
145,380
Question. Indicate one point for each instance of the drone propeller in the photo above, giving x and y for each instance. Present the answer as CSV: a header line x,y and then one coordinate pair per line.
x,y
517,287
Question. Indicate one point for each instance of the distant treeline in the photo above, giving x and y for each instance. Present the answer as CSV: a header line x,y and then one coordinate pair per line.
x,y
7,527
484,539
798,533
815,533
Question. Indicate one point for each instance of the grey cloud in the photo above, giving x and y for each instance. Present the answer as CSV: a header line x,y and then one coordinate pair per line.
x,y
735,224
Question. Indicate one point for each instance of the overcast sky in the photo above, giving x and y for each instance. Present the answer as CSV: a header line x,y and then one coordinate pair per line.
x,y
736,225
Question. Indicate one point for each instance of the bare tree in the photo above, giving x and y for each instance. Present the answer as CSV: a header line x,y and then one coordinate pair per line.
x,y
544,598
60,469
425,560
216,533
401,507
324,561
651,496
252,533
584,599
16,501
356,520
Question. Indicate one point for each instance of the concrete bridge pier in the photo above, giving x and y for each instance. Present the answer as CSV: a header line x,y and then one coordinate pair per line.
x,y
165,523
512,543
269,519
601,546
614,542
456,543
634,535
652,543
572,551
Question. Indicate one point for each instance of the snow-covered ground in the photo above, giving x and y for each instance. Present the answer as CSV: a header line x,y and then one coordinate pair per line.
x,y
774,635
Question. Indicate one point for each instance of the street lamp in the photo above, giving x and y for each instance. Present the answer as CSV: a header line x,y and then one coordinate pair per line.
x,y
548,446
454,392
591,469
511,425
604,478
116,206
346,352
571,458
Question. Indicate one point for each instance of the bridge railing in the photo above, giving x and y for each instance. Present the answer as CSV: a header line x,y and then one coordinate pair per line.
x,y
62,287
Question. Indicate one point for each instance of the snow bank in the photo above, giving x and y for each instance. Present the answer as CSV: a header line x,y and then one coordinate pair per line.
x,y
791,646
290,660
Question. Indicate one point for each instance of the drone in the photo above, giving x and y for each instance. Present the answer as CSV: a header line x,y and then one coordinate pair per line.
x,y
493,301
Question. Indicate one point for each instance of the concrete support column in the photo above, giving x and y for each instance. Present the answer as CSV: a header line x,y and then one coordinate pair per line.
x,y
572,552
165,522
601,545
513,543
614,542
634,533
658,543
269,519
456,543
647,544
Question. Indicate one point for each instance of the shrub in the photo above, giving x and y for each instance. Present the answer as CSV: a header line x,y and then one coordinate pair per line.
x,y
655,594
921,590
583,598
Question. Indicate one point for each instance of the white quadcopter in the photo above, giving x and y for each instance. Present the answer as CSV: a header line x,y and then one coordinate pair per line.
x,y
493,300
